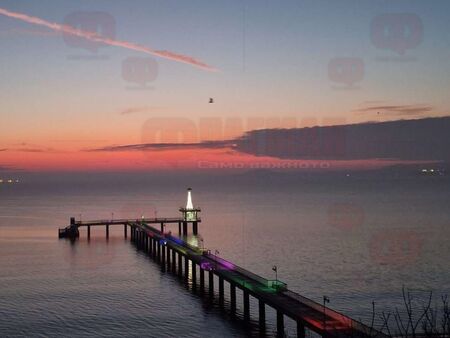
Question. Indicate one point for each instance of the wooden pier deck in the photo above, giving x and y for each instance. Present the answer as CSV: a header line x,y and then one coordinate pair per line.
x,y
177,256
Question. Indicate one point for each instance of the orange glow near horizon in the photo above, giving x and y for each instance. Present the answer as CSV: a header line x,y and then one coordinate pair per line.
x,y
176,159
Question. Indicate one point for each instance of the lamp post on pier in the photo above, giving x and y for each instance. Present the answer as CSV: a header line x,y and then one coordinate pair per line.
x,y
216,253
325,301
275,269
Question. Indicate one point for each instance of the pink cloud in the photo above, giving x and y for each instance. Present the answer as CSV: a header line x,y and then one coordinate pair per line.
x,y
92,36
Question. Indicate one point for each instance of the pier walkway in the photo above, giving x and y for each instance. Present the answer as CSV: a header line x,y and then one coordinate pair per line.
x,y
306,312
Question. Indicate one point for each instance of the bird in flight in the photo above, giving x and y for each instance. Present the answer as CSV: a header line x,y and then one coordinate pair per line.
x,y
211,100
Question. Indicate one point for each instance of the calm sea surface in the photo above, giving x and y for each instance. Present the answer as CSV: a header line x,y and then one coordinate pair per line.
x,y
354,239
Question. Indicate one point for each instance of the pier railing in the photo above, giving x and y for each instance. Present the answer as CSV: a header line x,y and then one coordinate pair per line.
x,y
129,221
231,266
343,320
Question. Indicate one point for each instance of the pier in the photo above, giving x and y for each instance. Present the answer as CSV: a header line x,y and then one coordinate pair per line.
x,y
197,265
72,231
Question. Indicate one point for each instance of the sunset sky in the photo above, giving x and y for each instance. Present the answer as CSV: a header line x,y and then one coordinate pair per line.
x,y
267,64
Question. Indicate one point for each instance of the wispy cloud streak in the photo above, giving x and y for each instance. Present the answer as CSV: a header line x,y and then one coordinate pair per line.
x,y
397,110
92,36
165,146
132,110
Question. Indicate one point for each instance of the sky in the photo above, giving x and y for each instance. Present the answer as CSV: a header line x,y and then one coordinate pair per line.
x,y
144,72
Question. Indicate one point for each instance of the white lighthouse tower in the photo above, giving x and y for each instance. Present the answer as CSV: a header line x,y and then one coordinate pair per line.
x,y
190,214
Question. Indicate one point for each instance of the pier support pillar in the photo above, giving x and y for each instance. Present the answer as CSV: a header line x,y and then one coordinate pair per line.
x,y
262,315
180,268
202,279
211,283
174,265
107,230
300,330
186,267
168,258
221,297
162,227
89,231
163,256
153,245
246,306
185,231
158,246
280,324
179,228
125,229
194,275
195,228
233,299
